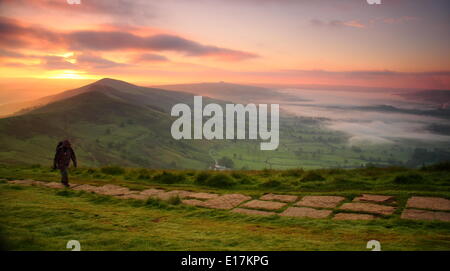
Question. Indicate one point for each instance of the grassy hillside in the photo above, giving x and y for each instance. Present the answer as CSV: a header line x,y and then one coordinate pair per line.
x,y
104,129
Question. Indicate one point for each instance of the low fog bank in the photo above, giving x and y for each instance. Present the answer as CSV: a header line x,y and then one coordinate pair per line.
x,y
369,117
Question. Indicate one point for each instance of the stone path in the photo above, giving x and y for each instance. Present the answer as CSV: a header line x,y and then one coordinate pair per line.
x,y
363,207
262,204
425,215
306,212
429,203
368,208
320,201
284,198
252,212
375,198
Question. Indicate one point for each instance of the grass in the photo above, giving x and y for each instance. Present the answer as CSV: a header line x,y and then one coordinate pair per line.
x,y
36,218
427,181
44,219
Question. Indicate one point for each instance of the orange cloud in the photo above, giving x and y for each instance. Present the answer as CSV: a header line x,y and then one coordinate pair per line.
x,y
16,34
337,23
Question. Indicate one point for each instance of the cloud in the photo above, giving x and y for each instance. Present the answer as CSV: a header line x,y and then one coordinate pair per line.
x,y
91,61
10,54
150,58
337,23
354,23
116,40
15,34
116,8
86,61
56,63
368,73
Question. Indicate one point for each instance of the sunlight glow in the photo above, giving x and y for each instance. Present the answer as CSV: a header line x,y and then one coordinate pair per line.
x,y
69,74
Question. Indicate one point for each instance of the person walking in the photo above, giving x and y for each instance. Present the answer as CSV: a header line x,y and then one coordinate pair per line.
x,y
64,153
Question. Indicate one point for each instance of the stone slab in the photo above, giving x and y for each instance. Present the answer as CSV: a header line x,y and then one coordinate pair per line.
x,y
151,192
375,198
425,215
261,204
227,201
202,195
429,203
86,188
306,212
180,193
54,185
22,182
284,198
113,190
193,202
252,212
369,208
320,201
134,196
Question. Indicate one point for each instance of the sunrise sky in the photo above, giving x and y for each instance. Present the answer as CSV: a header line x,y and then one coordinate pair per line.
x,y
400,43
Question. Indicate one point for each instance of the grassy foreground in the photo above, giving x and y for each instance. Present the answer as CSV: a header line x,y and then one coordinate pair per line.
x,y
35,218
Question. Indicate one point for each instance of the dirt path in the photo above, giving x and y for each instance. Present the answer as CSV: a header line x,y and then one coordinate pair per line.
x,y
363,207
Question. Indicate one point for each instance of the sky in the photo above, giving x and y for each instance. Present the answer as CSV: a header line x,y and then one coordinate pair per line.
x,y
397,44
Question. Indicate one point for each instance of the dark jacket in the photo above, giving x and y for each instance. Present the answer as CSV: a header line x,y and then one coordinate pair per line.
x,y
64,153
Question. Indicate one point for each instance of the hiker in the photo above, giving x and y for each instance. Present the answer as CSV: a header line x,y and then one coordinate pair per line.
x,y
64,153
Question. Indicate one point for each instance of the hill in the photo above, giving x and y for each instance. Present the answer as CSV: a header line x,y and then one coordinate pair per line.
x,y
233,92
115,122
129,126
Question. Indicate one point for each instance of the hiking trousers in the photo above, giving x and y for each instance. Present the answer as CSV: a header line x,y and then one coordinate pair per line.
x,y
64,176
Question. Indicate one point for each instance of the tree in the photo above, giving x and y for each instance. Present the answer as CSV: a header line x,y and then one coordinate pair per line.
x,y
226,162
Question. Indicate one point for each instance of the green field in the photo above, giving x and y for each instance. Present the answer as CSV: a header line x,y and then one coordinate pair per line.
x,y
35,218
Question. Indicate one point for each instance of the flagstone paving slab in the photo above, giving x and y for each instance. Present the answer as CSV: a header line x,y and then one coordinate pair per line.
x,y
305,212
193,202
86,188
23,182
429,203
165,195
134,196
267,205
425,215
202,195
252,212
284,198
54,185
113,190
180,193
375,198
151,192
320,201
227,201
369,208
347,216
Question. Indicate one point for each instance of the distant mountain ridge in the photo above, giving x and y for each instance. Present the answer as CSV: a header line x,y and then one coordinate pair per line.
x,y
233,92
436,96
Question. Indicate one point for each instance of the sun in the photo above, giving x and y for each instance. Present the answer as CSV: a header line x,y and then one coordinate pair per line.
x,y
69,74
